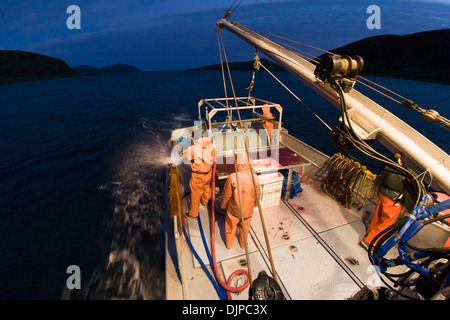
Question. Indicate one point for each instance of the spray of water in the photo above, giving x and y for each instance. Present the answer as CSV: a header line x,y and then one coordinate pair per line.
x,y
133,238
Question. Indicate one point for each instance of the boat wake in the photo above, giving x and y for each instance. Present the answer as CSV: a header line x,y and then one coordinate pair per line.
x,y
132,241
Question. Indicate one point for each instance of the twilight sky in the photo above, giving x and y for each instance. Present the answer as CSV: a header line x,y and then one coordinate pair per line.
x,y
179,34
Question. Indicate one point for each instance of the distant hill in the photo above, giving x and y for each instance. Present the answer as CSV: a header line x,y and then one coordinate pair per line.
x,y
20,66
420,56
114,68
87,70
247,65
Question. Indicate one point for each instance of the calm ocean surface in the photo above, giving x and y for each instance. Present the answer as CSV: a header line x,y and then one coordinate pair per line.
x,y
83,163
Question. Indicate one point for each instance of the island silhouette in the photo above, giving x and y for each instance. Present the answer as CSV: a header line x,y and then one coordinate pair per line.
x,y
420,56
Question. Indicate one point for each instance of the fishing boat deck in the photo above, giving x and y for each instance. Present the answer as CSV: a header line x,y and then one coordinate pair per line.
x,y
314,240
314,243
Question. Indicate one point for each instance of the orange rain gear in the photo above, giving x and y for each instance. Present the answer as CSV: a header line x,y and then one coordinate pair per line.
x,y
201,154
268,124
441,197
230,200
386,213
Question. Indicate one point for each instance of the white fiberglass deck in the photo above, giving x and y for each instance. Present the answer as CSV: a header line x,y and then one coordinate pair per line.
x,y
325,264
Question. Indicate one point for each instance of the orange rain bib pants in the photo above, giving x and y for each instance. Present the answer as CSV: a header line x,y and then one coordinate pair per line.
x,y
230,201
386,213
201,155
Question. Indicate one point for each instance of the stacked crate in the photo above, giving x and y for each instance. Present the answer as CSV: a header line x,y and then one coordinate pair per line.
x,y
271,185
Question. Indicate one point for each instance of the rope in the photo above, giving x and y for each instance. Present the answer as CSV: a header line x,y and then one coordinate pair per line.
x,y
229,9
379,85
303,54
343,176
248,273
269,251
295,96
429,115
219,40
226,286
326,51
287,39
235,166
384,94
246,11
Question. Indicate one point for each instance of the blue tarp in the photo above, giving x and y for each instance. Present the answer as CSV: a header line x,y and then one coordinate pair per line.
x,y
295,181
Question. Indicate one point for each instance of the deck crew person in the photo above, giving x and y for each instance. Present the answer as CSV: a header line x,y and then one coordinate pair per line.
x,y
201,155
391,199
267,124
230,201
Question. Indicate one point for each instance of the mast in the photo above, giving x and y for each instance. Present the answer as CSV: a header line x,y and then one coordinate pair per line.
x,y
369,119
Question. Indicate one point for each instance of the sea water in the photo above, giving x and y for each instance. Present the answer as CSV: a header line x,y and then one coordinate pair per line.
x,y
83,165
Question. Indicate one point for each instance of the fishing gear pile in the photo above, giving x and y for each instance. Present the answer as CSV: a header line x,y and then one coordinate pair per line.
x,y
348,182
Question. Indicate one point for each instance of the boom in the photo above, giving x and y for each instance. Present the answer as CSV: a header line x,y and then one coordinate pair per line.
x,y
370,120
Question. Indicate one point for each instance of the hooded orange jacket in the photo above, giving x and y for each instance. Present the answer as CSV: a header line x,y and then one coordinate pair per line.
x,y
201,155
267,123
230,197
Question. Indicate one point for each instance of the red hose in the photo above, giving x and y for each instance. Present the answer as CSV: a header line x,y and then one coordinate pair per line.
x,y
227,285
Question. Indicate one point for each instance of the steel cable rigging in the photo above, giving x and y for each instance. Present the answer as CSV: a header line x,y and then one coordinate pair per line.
x,y
429,115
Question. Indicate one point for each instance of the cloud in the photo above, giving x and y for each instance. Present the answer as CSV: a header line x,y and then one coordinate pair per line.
x,y
177,34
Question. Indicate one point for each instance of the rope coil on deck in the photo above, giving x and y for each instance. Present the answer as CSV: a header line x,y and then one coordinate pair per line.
x,y
347,181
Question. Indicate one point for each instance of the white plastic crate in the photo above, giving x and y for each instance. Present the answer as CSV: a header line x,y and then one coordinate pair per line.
x,y
271,185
